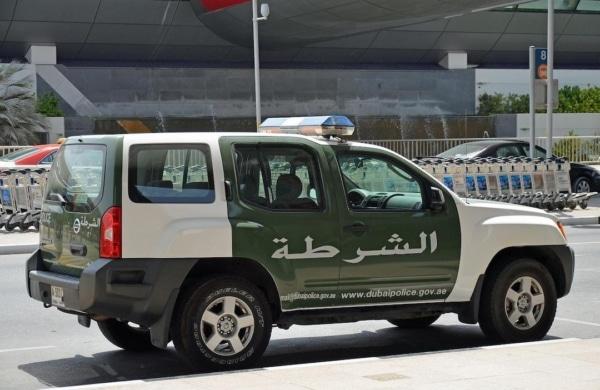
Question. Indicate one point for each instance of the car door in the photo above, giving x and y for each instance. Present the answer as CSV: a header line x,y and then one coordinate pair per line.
x,y
283,216
394,247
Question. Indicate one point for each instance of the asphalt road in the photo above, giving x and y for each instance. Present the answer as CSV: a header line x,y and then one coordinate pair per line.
x,y
42,347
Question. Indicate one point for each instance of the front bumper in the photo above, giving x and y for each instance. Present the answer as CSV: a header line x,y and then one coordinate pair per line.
x,y
566,259
137,290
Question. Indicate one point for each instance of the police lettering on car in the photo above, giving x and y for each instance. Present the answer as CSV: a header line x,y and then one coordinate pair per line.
x,y
211,239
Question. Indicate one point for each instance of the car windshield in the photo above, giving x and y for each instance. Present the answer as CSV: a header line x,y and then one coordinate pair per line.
x,y
464,151
18,154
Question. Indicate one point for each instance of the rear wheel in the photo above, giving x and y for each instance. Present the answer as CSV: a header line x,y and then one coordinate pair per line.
x,y
518,302
582,185
224,323
415,323
126,336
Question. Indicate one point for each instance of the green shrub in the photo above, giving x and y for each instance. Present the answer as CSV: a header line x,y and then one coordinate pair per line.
x,y
571,100
47,105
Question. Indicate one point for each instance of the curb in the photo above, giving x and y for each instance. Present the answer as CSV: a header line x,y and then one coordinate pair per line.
x,y
18,249
571,221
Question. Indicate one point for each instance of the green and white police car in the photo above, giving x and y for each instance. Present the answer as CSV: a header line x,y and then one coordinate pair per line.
x,y
211,239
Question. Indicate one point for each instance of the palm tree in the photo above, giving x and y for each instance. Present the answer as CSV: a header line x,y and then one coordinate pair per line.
x,y
19,120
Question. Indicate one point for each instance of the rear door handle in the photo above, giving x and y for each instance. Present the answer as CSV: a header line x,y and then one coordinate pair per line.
x,y
357,228
78,249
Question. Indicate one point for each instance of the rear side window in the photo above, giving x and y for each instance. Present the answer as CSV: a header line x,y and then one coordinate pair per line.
x,y
171,174
77,176
278,177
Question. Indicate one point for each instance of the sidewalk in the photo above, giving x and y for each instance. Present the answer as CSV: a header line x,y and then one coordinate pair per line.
x,y
589,216
556,364
16,242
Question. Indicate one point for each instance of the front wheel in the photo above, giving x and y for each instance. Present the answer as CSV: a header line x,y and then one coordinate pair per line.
x,y
518,302
126,336
415,323
224,323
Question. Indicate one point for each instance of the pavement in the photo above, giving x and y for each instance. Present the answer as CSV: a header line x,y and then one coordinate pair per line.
x,y
42,348
17,242
589,216
555,364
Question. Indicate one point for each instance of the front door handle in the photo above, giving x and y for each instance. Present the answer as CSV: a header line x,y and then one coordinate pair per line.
x,y
357,228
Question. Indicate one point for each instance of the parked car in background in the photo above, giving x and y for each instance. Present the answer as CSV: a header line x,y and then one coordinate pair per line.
x,y
584,178
34,155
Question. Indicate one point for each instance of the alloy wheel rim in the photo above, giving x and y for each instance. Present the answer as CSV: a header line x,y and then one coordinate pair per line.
x,y
524,303
227,326
583,186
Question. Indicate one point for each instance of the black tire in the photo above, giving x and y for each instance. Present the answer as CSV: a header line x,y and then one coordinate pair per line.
x,y
126,336
189,330
584,204
494,317
415,323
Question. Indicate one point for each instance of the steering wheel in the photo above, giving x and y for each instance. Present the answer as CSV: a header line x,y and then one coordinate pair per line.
x,y
384,202
357,197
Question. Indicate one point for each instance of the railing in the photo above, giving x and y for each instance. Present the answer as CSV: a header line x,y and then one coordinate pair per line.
x,y
9,149
575,148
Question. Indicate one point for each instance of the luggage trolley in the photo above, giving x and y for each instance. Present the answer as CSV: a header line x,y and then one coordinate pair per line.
x,y
36,188
9,206
22,200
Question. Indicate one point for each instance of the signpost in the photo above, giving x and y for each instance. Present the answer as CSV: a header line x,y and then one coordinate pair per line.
x,y
539,91
550,76
532,97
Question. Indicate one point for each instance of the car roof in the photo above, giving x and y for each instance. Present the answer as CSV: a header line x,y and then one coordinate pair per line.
x,y
496,142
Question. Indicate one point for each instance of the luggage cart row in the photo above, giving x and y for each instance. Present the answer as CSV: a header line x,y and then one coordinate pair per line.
x,y
540,183
22,192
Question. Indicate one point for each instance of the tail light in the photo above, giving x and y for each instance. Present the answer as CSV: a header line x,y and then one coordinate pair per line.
x,y
110,234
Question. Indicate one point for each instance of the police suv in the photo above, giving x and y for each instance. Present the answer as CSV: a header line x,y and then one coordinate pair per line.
x,y
211,239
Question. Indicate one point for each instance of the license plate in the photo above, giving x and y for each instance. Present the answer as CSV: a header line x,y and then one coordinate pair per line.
x,y
57,296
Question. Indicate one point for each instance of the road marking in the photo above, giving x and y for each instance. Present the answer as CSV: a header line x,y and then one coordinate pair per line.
x,y
116,384
26,349
578,322
530,343
584,243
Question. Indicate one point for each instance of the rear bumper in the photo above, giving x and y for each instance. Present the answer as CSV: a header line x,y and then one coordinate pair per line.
x,y
139,290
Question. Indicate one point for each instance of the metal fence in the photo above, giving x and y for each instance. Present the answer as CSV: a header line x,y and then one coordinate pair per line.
x,y
9,149
575,148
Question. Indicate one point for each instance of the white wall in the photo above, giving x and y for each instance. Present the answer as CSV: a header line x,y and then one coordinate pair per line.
x,y
581,124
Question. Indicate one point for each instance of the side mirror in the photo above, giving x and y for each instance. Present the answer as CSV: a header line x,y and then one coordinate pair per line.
x,y
438,201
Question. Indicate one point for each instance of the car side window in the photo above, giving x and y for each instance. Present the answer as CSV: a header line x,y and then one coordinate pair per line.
x,y
278,177
539,152
509,151
172,173
48,159
376,182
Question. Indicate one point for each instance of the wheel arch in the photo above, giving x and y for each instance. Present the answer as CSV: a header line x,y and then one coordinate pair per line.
x,y
544,254
248,269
